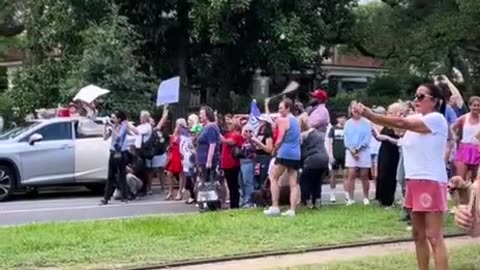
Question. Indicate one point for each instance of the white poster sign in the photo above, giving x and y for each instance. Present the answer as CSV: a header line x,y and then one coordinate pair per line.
x,y
90,93
168,91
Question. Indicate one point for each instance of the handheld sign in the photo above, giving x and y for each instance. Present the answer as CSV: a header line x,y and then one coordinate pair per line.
x,y
90,93
168,91
292,86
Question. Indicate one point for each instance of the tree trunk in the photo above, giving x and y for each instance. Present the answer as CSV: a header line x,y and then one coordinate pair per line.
x,y
181,109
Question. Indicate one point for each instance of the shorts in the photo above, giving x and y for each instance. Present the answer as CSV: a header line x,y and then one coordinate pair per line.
x,y
157,162
426,196
364,161
468,154
339,163
288,163
270,166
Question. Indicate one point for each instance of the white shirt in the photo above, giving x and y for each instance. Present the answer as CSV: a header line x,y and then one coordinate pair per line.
x,y
469,131
424,153
144,132
374,146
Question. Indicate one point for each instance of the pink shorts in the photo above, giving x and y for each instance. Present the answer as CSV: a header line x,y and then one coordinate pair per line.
x,y
468,154
426,196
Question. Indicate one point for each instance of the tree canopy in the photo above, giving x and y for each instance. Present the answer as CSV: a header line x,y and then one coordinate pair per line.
x,y
422,36
129,46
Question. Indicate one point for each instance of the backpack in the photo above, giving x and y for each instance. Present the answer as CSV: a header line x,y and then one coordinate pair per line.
x,y
154,146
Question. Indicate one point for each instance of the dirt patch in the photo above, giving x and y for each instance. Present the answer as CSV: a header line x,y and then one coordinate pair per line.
x,y
322,257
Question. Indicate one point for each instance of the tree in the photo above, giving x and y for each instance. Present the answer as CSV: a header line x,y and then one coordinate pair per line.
x,y
426,36
12,15
108,61
73,44
218,44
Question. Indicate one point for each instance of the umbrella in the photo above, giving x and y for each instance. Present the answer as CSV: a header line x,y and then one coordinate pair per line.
x,y
90,93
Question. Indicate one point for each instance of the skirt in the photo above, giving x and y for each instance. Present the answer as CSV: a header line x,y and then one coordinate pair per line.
x,y
468,154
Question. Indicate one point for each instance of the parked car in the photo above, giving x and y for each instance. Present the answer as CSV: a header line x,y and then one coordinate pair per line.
x,y
53,152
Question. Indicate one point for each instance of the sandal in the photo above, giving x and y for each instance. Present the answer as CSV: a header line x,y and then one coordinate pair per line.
x,y
179,196
169,196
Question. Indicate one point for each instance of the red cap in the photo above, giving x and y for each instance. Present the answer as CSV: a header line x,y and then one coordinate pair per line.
x,y
320,94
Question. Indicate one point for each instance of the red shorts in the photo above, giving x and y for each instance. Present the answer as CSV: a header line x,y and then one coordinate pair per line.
x,y
426,196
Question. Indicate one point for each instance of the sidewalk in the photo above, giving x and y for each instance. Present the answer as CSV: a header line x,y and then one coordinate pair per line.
x,y
323,257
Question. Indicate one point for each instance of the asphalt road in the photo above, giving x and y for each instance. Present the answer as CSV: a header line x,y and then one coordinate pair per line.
x,y
76,205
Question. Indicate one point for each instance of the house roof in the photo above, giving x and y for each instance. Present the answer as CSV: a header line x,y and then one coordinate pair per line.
x,y
349,60
12,55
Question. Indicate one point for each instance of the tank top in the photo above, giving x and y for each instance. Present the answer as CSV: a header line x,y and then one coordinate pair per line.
x,y
469,131
290,146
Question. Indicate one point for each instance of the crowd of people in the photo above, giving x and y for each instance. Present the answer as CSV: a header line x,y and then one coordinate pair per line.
x,y
288,155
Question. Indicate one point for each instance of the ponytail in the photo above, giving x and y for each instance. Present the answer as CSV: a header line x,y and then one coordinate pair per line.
x,y
443,106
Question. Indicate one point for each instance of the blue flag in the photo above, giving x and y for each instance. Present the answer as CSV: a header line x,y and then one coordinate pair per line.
x,y
254,115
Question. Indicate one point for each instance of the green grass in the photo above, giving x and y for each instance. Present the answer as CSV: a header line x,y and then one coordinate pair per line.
x,y
167,239
464,258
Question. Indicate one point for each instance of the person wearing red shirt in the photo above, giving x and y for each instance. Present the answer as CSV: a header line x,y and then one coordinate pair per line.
x,y
230,165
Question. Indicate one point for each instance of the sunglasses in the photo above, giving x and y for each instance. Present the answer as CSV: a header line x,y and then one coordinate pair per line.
x,y
421,97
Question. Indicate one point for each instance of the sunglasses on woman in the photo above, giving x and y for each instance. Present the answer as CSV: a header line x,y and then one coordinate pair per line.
x,y
421,97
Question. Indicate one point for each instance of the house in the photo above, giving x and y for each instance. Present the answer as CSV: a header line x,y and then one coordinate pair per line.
x,y
347,72
351,72
9,63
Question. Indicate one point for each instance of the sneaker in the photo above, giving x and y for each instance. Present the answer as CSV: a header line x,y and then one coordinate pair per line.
x,y
247,206
350,202
272,212
333,199
366,201
103,202
289,213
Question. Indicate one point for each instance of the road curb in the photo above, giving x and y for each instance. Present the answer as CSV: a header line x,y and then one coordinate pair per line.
x,y
256,255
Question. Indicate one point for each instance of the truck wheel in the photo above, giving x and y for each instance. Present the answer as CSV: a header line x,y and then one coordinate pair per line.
x,y
7,182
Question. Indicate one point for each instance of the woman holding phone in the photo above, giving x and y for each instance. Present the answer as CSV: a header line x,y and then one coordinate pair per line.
x,y
423,147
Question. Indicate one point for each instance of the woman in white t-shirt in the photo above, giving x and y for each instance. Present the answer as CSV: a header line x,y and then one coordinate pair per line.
x,y
423,147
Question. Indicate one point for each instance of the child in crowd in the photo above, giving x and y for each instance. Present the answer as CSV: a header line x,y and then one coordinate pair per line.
x,y
336,150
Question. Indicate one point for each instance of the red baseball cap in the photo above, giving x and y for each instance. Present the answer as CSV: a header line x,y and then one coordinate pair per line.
x,y
320,94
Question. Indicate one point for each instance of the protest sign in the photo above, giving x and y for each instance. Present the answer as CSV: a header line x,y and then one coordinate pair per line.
x,y
168,91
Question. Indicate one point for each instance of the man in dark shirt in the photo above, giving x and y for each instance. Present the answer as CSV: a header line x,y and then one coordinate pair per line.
x,y
336,151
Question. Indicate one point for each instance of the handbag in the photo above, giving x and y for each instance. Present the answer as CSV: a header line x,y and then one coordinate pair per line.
x,y
208,188
238,153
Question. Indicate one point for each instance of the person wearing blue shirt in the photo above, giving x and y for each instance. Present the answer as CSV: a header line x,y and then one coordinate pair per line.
x,y
117,129
450,115
357,136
